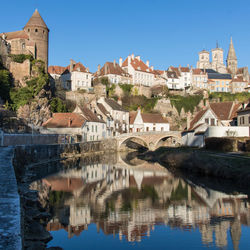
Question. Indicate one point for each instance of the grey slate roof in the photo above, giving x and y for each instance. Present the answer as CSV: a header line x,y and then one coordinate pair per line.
x,y
114,105
219,76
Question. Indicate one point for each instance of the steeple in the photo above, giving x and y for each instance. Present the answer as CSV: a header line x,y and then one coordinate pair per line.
x,y
36,21
232,62
231,53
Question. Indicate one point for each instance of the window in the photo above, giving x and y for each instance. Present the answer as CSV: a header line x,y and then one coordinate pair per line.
x,y
95,128
36,30
162,128
207,121
147,128
92,128
212,122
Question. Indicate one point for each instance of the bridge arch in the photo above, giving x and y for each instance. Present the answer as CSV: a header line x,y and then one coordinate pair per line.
x,y
168,140
130,138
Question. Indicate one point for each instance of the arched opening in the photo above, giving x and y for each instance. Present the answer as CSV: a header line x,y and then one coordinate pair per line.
x,y
168,141
134,143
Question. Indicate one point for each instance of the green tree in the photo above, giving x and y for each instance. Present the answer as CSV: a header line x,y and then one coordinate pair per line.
x,y
5,84
57,106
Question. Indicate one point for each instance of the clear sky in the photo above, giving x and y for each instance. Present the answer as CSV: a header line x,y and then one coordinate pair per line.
x,y
161,31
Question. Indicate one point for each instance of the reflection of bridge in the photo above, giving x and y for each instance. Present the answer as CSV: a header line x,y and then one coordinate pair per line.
x,y
151,140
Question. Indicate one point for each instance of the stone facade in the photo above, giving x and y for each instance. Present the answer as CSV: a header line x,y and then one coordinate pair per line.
x,y
32,40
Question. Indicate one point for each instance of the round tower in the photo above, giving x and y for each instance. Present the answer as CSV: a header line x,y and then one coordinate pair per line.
x,y
38,33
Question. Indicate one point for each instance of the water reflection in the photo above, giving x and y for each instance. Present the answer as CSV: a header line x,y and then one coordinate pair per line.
x,y
131,197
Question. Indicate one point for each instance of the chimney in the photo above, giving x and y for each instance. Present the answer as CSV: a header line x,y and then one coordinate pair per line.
x,y
147,63
188,120
71,65
138,58
87,69
69,122
105,69
188,65
120,61
114,63
133,56
152,67
98,69
129,60
119,101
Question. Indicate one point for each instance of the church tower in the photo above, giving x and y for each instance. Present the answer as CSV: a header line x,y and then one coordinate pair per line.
x,y
203,62
38,33
232,62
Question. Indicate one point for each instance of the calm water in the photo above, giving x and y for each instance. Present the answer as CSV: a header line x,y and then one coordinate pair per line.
x,y
132,204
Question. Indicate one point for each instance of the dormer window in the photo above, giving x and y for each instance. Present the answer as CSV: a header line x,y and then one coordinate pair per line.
x,y
78,69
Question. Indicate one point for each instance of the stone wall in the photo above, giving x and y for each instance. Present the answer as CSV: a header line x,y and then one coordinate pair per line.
x,y
80,98
20,71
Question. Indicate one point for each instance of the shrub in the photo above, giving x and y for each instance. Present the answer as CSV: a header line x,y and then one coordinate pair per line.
x,y
126,88
5,84
57,106
187,102
220,144
223,97
20,97
21,58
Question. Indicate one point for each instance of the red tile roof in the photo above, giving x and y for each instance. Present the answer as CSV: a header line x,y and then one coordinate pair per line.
x,y
223,110
15,34
138,65
111,68
56,70
65,120
198,116
184,69
198,72
238,79
76,67
236,107
147,118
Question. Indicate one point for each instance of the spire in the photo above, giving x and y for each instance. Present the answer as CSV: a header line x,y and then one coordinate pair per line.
x,y
36,20
231,53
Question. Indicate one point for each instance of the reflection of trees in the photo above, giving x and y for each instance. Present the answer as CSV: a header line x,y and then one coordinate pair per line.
x,y
130,201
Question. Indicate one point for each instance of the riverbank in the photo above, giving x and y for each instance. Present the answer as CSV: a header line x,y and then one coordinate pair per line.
x,y
204,163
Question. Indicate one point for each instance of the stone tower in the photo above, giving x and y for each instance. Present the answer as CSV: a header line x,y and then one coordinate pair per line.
x,y
203,62
38,33
232,62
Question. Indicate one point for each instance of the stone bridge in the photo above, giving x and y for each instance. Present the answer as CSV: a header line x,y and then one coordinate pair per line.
x,y
151,140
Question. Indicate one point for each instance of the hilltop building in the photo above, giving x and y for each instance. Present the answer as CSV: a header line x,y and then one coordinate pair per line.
x,y
32,40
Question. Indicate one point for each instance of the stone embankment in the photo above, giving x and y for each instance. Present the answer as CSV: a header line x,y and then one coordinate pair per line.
x,y
204,163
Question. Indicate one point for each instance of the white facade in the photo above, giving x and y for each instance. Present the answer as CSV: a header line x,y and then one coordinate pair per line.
x,y
185,79
140,72
221,131
94,131
76,80
115,79
141,124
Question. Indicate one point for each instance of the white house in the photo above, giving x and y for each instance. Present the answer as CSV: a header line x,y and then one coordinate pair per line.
x,y
172,80
76,77
96,127
141,73
114,73
80,123
184,74
119,115
215,120
145,122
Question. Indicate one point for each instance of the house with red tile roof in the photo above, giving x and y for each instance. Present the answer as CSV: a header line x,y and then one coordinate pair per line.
x,y
75,77
141,73
184,74
145,122
199,79
114,73
82,122
238,84
214,120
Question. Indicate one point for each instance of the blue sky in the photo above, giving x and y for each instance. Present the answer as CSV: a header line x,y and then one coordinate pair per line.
x,y
161,31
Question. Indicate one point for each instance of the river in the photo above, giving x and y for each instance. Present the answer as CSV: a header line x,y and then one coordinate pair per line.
x,y
132,204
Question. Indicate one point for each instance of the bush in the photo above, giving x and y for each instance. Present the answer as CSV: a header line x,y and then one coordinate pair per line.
x,y
187,102
5,84
57,106
221,144
126,88
20,97
223,97
21,58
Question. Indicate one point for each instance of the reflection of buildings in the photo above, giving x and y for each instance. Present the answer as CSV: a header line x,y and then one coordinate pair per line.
x,y
131,200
